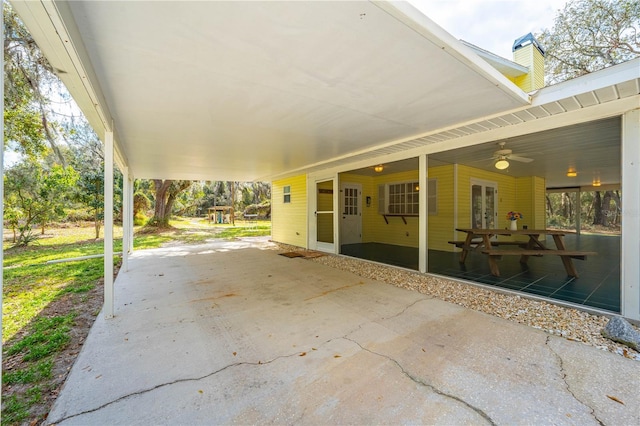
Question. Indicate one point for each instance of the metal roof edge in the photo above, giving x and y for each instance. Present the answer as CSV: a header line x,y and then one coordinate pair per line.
x,y
413,18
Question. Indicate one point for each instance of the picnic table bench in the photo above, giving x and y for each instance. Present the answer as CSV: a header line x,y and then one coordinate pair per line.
x,y
480,240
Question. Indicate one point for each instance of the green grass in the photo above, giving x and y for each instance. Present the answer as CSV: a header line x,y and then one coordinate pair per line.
x,y
47,335
257,230
15,409
33,374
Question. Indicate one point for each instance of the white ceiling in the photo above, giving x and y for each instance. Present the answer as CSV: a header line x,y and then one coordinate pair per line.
x,y
249,90
591,149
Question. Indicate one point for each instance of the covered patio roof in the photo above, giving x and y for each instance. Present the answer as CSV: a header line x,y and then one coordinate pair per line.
x,y
247,91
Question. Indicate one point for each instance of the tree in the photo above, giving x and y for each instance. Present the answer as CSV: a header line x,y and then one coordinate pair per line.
x,y
91,194
35,194
589,35
167,192
29,82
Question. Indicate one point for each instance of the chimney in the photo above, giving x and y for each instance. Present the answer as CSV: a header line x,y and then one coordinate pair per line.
x,y
529,53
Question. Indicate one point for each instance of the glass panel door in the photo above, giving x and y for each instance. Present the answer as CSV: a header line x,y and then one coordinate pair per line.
x,y
324,212
483,205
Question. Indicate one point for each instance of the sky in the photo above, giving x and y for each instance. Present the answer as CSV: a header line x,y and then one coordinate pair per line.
x,y
491,24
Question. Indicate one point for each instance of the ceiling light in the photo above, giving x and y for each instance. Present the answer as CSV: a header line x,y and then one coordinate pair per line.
x,y
501,164
378,168
572,173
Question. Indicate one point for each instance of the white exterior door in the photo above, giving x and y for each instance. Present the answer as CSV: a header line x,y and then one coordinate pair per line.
x,y
351,213
484,204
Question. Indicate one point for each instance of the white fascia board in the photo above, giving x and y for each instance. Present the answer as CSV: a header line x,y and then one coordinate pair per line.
x,y
505,66
587,83
53,27
414,19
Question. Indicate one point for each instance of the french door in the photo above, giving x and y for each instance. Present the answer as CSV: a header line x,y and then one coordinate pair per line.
x,y
484,205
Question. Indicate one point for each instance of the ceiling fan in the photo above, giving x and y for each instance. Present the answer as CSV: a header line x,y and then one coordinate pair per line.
x,y
503,155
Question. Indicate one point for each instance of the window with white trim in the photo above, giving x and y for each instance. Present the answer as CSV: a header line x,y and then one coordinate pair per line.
x,y
403,198
287,194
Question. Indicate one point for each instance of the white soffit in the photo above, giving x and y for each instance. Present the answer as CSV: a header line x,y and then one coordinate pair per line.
x,y
244,90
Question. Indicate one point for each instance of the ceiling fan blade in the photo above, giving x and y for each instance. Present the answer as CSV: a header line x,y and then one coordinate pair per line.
x,y
520,159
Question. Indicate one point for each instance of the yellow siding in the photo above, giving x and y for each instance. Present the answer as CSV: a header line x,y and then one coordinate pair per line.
x,y
529,56
375,229
531,201
396,231
539,209
442,224
289,220
524,58
506,196
538,70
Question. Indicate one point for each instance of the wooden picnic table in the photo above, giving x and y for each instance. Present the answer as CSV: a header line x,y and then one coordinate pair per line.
x,y
480,240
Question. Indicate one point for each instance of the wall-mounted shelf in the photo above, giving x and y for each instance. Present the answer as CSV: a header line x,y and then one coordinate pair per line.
x,y
402,216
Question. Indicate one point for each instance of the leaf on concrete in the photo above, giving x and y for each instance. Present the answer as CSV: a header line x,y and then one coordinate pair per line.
x,y
615,399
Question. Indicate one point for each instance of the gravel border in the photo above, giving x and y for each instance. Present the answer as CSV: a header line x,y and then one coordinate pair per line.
x,y
570,323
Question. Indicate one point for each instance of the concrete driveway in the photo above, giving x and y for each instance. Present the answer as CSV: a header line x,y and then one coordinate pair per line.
x,y
233,333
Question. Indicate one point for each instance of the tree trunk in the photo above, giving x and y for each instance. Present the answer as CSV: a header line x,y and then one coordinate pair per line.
x,y
565,205
606,207
96,219
167,192
618,207
160,217
233,203
597,209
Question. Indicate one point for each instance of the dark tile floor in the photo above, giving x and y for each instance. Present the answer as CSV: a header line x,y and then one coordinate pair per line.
x,y
598,285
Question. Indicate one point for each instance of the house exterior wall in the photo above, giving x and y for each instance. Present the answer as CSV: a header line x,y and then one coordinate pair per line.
x,y
526,195
530,199
289,220
442,225
396,231
506,194
530,56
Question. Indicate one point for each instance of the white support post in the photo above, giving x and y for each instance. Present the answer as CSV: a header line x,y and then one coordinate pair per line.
x,y
131,217
126,218
423,223
108,225
630,267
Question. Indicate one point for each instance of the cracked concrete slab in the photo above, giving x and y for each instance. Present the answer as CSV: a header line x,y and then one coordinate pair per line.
x,y
234,333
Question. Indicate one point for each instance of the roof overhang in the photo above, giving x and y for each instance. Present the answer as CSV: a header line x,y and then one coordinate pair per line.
x,y
245,91
571,124
505,66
